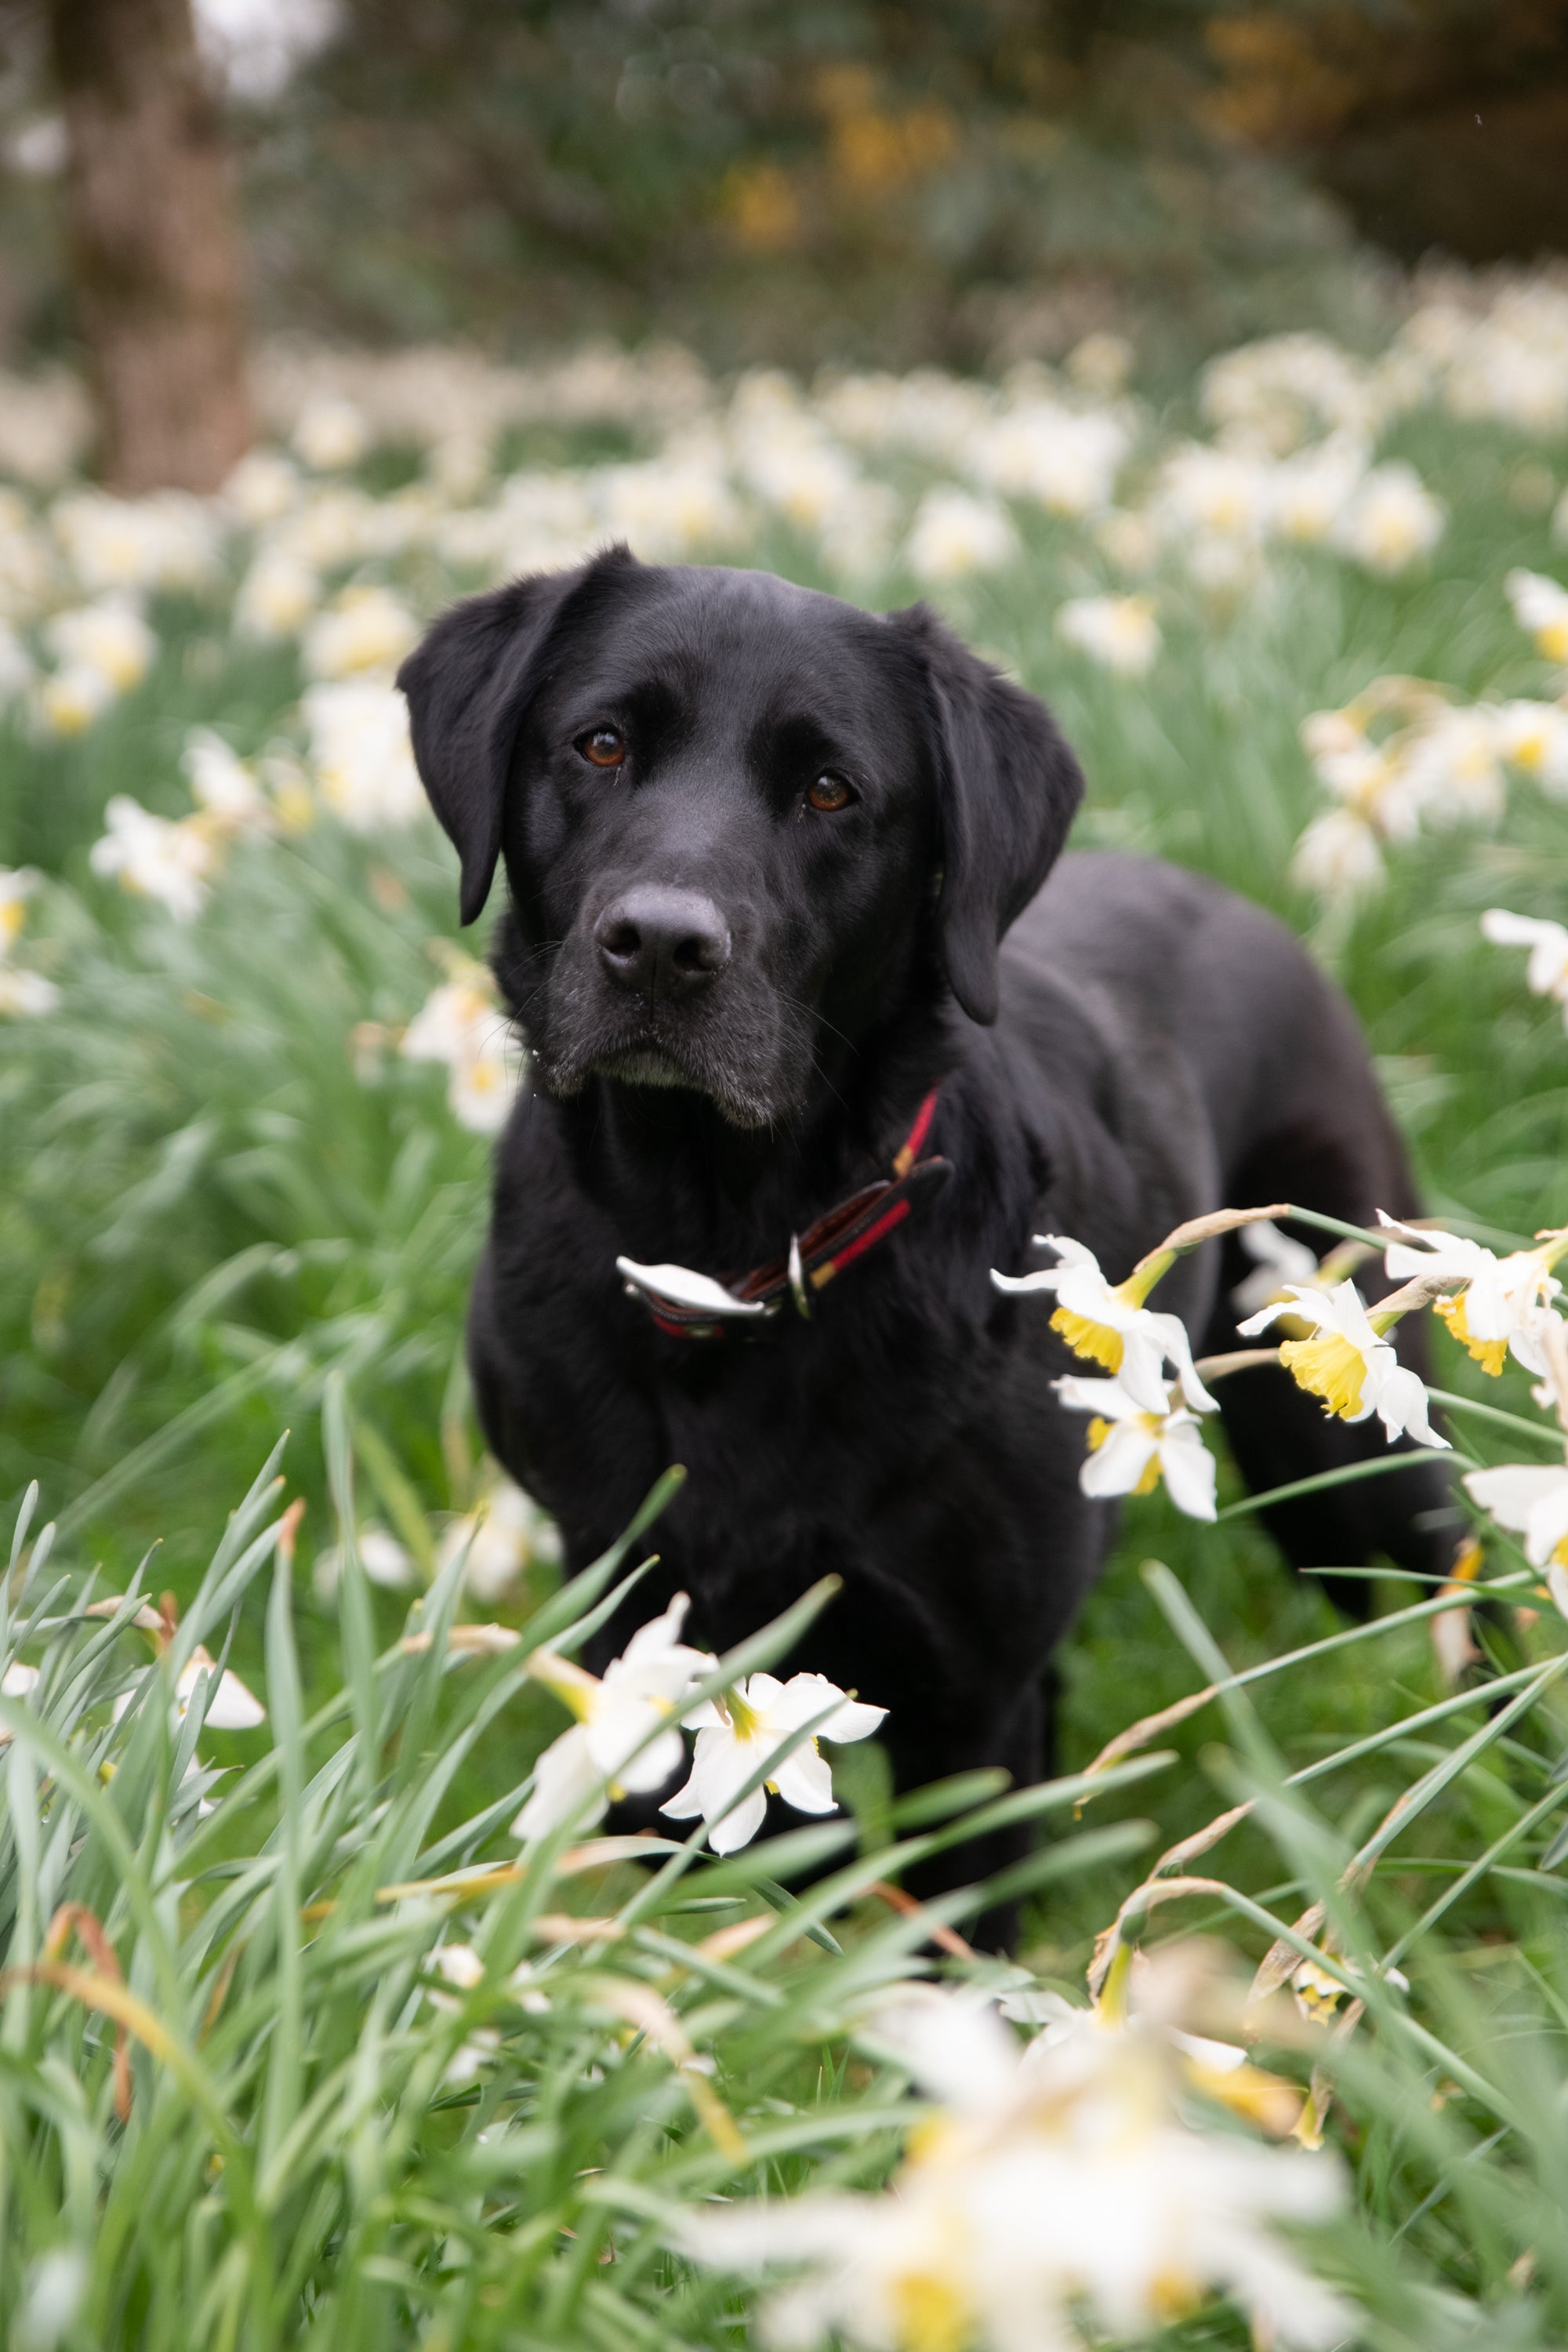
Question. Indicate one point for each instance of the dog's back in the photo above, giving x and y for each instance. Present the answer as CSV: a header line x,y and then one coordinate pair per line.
x,y
1188,974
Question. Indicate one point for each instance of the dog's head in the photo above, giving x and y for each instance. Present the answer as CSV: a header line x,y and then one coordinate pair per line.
x,y
737,816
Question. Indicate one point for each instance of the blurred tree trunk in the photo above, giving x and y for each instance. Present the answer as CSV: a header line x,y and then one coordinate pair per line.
x,y
154,249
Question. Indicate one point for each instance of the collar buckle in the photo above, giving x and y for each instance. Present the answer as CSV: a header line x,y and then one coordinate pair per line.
x,y
691,1306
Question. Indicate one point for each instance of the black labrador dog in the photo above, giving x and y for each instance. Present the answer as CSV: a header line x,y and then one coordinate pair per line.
x,y
788,914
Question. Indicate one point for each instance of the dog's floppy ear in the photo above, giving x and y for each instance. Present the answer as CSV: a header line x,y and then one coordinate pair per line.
x,y
1008,787
468,684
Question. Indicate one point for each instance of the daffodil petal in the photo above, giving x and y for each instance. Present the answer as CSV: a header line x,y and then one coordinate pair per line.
x,y
740,1826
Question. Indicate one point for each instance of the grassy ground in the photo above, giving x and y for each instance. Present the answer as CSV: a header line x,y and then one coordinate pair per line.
x,y
218,1200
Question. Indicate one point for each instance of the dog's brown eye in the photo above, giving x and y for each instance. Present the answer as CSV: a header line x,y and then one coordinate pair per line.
x,y
602,747
829,793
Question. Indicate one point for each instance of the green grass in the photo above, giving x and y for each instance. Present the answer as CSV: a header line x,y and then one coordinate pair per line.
x,y
217,1232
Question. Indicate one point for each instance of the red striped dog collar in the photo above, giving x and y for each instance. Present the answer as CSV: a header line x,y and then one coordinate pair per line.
x,y
692,1305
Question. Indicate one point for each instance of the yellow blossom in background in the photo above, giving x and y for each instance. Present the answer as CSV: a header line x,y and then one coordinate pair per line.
x,y
760,203
873,149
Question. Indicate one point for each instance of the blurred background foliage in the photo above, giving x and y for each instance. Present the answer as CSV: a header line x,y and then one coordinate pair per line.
x,y
970,184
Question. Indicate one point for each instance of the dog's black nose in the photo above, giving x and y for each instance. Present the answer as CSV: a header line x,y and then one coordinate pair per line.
x,y
662,942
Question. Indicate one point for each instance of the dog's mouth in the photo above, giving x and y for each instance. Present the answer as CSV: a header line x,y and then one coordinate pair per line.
x,y
697,1064
647,1065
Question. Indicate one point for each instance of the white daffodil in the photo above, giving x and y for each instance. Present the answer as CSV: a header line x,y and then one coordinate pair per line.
x,y
1206,496
1499,1310
737,1735
275,597
1129,539
383,1557
361,752
460,1965
19,1681
18,883
459,466
1311,490
498,1539
26,994
1392,519
1046,2179
109,639
1540,605
385,1560
1277,1260
461,1024
261,489
1449,773
1533,736
1337,856
68,701
1120,632
1546,973
626,1738
1131,1449
1345,759
230,1707
363,629
955,534
332,433
1347,1362
155,859
1530,1499
223,785
22,993
56,2288
1110,1325
1065,459
167,540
